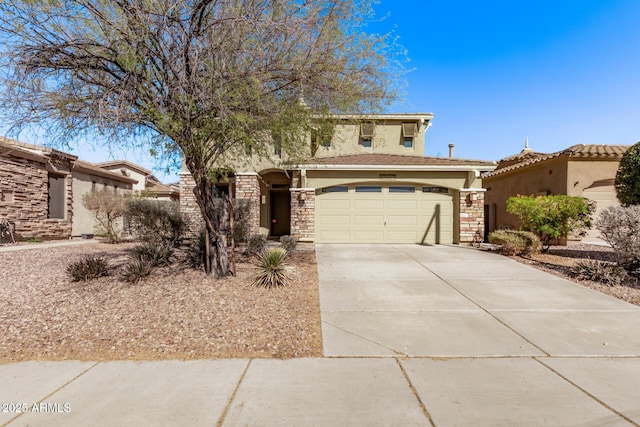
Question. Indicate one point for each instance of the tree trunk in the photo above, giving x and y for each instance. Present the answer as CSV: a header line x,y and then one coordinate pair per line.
x,y
216,224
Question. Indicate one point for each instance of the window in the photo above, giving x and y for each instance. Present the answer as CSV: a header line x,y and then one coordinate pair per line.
x,y
366,134
277,149
435,190
56,196
409,131
368,189
336,189
401,189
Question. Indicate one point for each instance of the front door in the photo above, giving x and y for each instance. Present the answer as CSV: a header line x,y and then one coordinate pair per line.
x,y
280,213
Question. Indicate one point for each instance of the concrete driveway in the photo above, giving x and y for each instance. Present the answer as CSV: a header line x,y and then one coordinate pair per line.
x,y
482,339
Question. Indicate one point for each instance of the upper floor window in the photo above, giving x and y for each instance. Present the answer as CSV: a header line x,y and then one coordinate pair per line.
x,y
409,132
366,134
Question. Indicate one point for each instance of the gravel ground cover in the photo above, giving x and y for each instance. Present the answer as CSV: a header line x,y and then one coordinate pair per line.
x,y
177,313
559,260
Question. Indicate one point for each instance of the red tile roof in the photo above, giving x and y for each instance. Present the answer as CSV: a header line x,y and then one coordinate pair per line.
x,y
594,151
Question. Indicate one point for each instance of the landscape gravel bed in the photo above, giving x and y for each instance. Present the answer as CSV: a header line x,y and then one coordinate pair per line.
x,y
560,260
176,313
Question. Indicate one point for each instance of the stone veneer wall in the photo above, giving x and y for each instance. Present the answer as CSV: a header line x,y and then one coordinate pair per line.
x,y
471,216
188,205
24,197
248,188
303,213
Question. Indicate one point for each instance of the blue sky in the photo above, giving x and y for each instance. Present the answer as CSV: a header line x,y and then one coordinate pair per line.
x,y
495,72
560,72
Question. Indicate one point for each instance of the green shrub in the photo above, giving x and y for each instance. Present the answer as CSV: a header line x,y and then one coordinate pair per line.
x,y
270,269
620,227
598,271
136,269
628,177
288,243
552,217
156,254
255,244
515,242
107,208
89,267
156,221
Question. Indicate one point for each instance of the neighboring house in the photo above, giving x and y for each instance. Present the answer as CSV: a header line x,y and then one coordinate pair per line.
x,y
580,170
36,189
147,184
89,177
368,182
41,190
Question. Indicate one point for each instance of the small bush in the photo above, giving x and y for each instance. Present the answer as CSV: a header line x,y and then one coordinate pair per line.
x,y
156,254
513,242
552,217
271,272
89,267
156,221
598,271
620,227
108,208
136,269
255,244
288,243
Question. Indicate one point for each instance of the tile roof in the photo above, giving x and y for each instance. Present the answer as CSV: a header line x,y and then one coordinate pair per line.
x,y
396,159
595,151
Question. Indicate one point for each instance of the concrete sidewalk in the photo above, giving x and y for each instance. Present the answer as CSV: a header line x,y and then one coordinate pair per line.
x,y
10,247
413,335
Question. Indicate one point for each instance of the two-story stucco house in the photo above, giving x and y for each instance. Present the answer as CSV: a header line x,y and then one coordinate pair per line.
x,y
368,182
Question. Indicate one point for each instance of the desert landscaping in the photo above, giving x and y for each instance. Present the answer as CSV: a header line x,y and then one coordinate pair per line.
x,y
176,313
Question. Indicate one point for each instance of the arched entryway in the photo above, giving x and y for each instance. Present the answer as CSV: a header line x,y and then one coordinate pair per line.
x,y
275,212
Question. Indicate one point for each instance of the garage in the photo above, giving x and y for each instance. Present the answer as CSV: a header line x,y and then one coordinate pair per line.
x,y
384,213
604,194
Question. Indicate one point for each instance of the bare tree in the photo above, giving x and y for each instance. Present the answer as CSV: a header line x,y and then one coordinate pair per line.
x,y
207,80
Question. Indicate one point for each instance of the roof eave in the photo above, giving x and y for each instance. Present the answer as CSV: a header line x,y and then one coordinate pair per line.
x,y
412,168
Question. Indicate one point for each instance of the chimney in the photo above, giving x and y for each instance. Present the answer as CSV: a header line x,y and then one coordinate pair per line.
x,y
450,151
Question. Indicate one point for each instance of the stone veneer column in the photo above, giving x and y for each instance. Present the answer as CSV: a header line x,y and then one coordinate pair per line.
x,y
471,216
303,205
248,188
188,205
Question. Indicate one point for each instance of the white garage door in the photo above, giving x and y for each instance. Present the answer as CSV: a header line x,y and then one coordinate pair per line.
x,y
604,195
382,213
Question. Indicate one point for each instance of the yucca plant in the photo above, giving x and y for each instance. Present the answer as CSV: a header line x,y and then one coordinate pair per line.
x,y
270,269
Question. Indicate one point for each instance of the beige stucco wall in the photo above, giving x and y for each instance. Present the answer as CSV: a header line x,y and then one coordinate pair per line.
x,y
346,140
83,220
131,173
583,173
387,140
